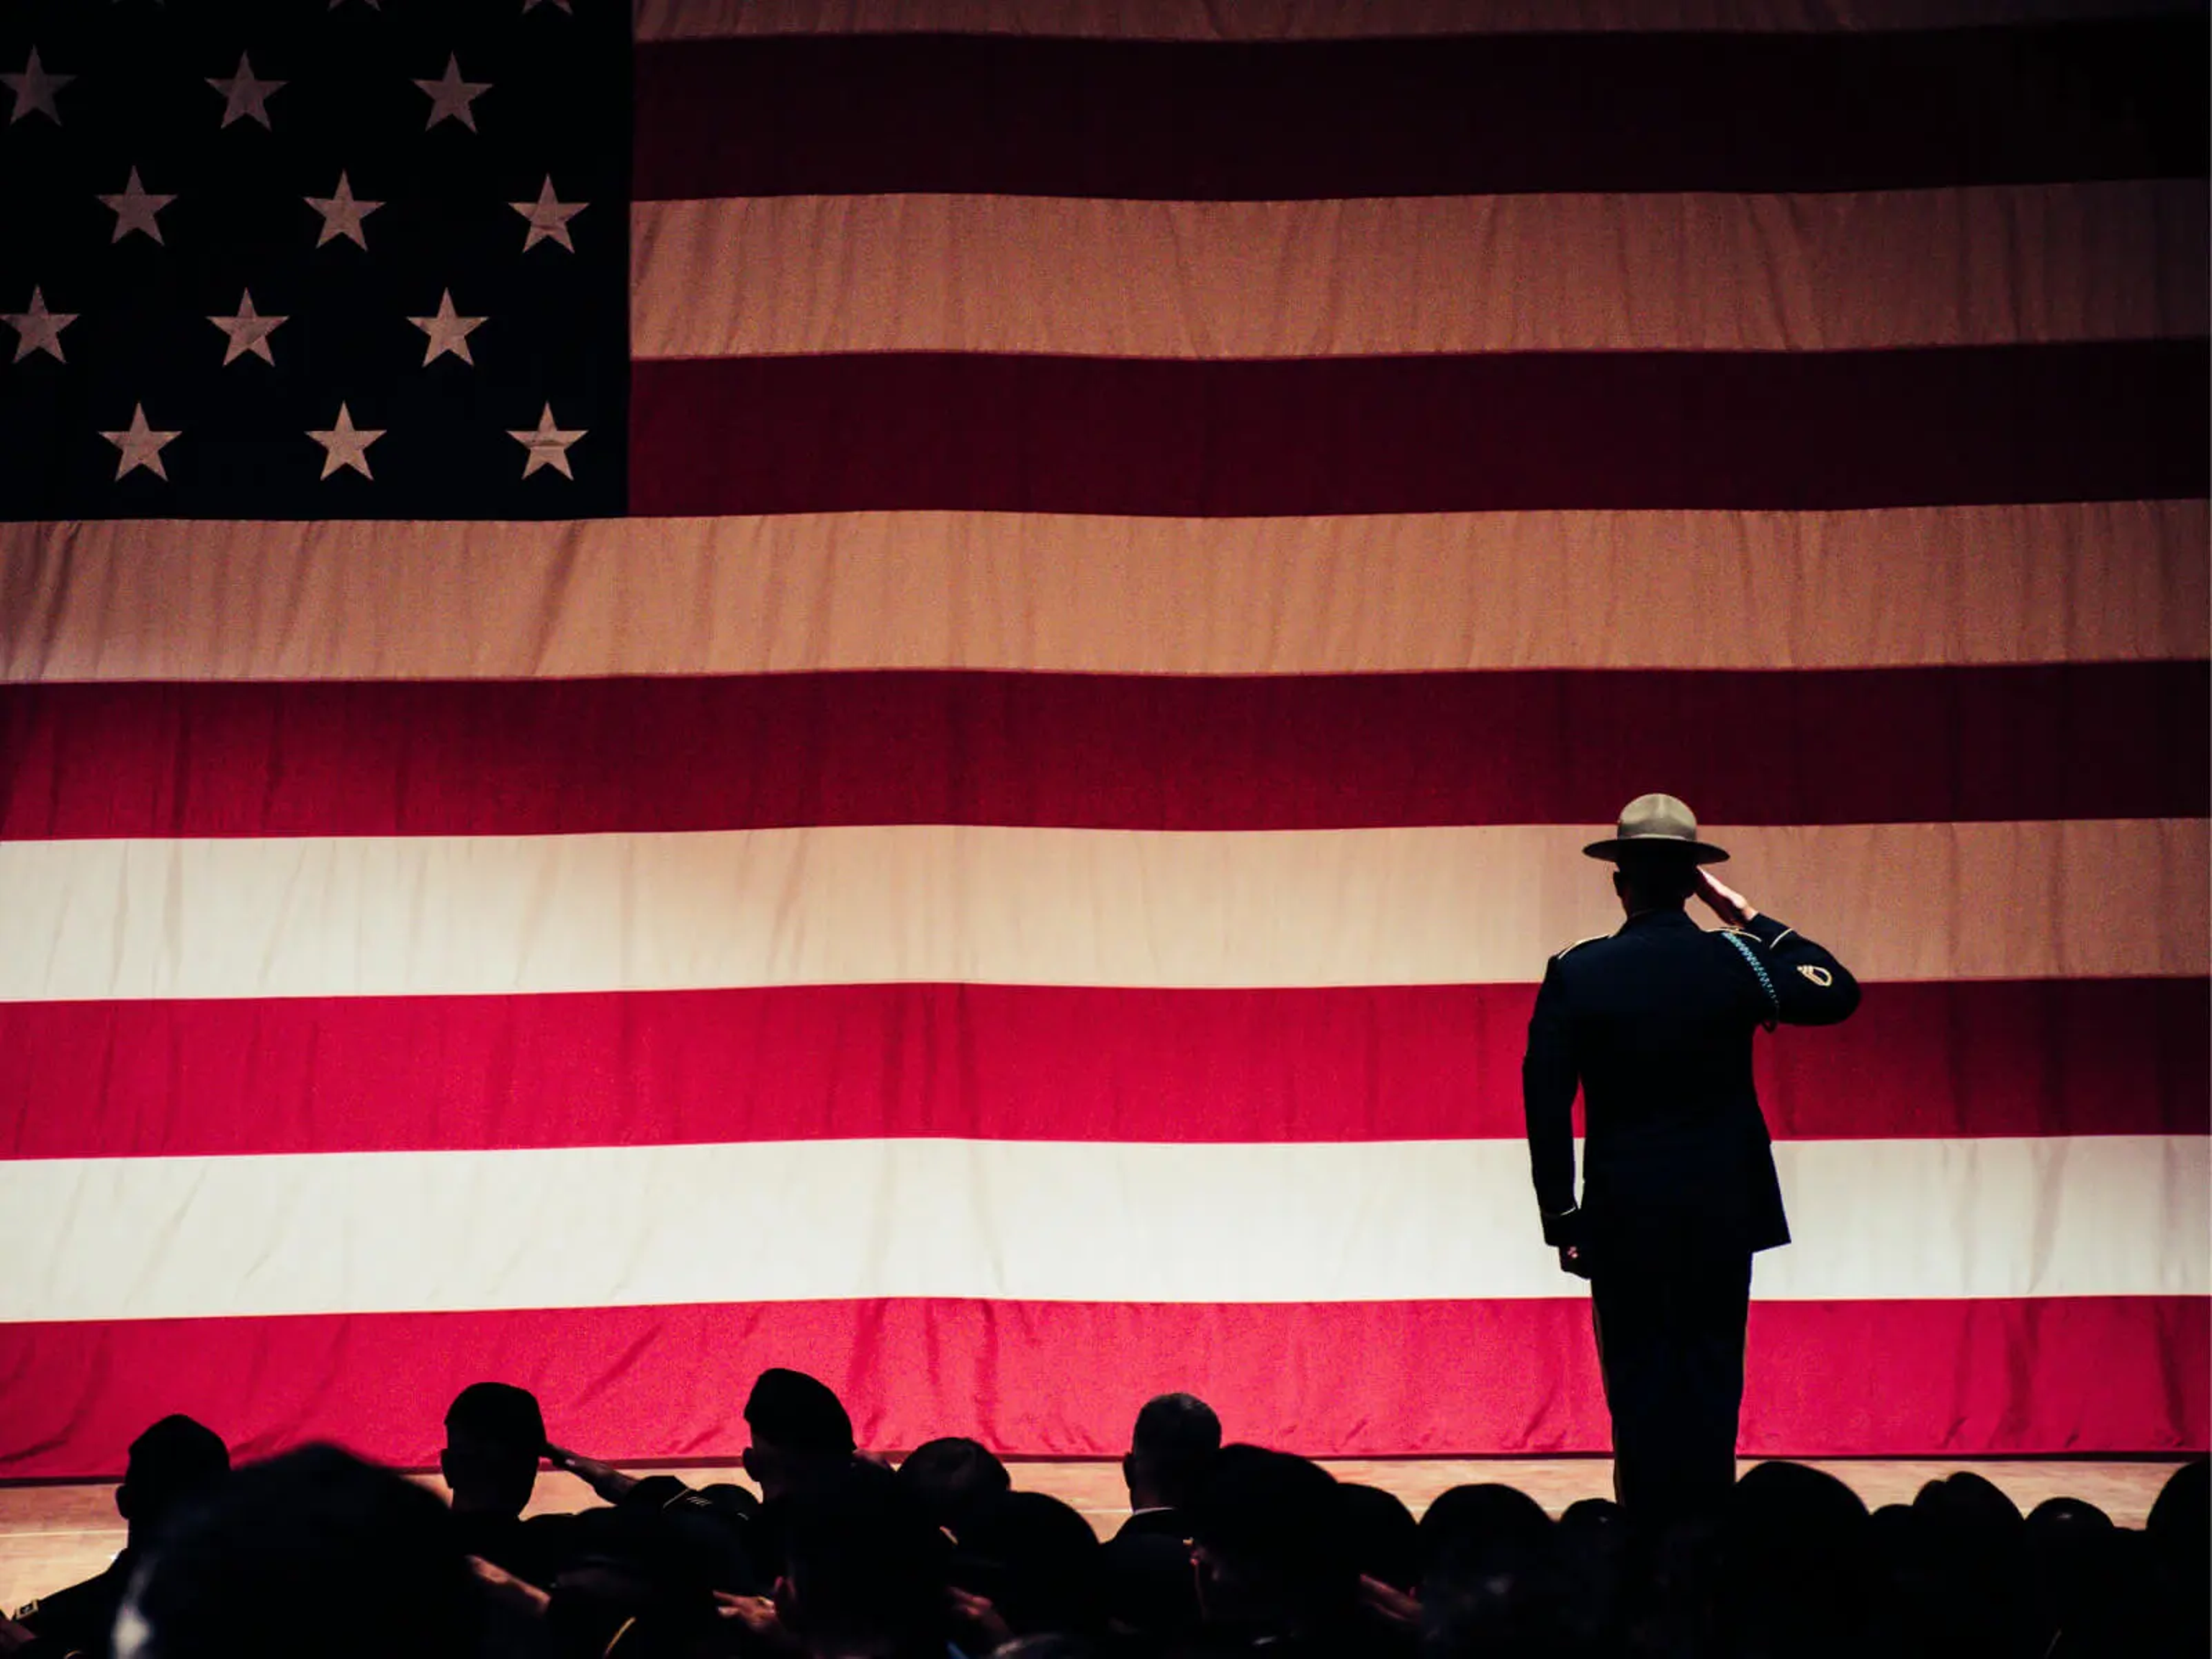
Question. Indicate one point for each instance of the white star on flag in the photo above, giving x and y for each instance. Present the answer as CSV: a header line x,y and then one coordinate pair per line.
x,y
135,210
244,96
34,90
549,217
39,328
343,213
548,445
141,445
450,95
346,445
249,330
448,331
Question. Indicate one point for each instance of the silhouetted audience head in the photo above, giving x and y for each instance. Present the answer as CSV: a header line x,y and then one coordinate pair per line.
x,y
1478,1521
1270,1552
2072,1560
864,1570
1170,1450
1035,1559
2180,1524
1970,1503
313,1553
1589,1517
1381,1534
173,1462
2175,1558
951,1476
1494,1580
1146,1588
801,1431
494,1435
1796,1544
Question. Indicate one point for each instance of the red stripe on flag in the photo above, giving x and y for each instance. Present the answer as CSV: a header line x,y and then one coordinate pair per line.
x,y
2106,740
113,1079
1065,1379
2111,421
1430,117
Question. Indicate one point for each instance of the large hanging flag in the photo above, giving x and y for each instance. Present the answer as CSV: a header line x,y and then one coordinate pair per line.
x,y
909,686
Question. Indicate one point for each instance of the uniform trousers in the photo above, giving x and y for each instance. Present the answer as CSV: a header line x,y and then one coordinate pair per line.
x,y
1670,1335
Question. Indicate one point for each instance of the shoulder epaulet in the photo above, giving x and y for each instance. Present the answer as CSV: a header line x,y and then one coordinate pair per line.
x,y
1578,944
1741,932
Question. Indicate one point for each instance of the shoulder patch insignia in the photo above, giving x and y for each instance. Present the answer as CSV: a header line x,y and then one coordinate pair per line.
x,y
1820,975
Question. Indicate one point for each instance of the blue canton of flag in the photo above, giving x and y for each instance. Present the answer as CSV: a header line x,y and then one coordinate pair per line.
x,y
301,260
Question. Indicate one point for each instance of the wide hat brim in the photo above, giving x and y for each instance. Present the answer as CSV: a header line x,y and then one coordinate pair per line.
x,y
1613,849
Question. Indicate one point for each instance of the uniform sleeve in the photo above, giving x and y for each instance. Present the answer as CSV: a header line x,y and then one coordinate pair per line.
x,y
1548,1081
1811,987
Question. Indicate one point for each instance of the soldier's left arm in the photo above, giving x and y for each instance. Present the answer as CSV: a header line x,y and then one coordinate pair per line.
x,y
1811,987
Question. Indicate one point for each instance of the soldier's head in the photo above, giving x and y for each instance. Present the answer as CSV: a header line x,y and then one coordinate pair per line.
x,y
1654,880
1654,851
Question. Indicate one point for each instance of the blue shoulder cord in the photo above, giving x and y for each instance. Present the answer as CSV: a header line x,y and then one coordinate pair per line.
x,y
1759,968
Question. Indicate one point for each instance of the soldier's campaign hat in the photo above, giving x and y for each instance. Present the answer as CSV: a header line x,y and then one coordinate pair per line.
x,y
1656,824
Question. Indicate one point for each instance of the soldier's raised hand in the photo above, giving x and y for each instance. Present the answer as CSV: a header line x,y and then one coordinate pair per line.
x,y
1731,906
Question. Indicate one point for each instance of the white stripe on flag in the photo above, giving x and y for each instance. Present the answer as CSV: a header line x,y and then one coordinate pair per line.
x,y
784,275
160,1238
141,600
432,915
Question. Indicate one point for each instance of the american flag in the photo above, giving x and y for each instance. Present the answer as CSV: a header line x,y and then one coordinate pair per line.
x,y
908,687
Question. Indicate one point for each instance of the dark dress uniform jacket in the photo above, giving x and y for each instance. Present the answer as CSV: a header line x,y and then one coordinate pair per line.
x,y
1655,1024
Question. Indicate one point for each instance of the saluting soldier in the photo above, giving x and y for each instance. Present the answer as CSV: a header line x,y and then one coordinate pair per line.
x,y
1653,1024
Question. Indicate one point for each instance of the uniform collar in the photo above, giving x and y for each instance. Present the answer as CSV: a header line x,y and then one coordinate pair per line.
x,y
1663,918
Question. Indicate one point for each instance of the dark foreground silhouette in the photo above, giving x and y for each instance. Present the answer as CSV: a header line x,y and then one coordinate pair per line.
x,y
1228,1550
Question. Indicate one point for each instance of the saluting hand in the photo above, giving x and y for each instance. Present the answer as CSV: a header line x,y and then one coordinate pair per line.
x,y
1731,906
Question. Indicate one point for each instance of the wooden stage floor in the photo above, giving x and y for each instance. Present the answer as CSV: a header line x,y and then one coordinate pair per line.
x,y
55,1535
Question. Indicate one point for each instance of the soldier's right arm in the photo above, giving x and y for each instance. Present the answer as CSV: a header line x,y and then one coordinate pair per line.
x,y
1549,1078
1801,983
1811,987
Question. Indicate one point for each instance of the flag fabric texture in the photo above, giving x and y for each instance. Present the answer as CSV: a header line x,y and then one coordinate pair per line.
x,y
909,687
